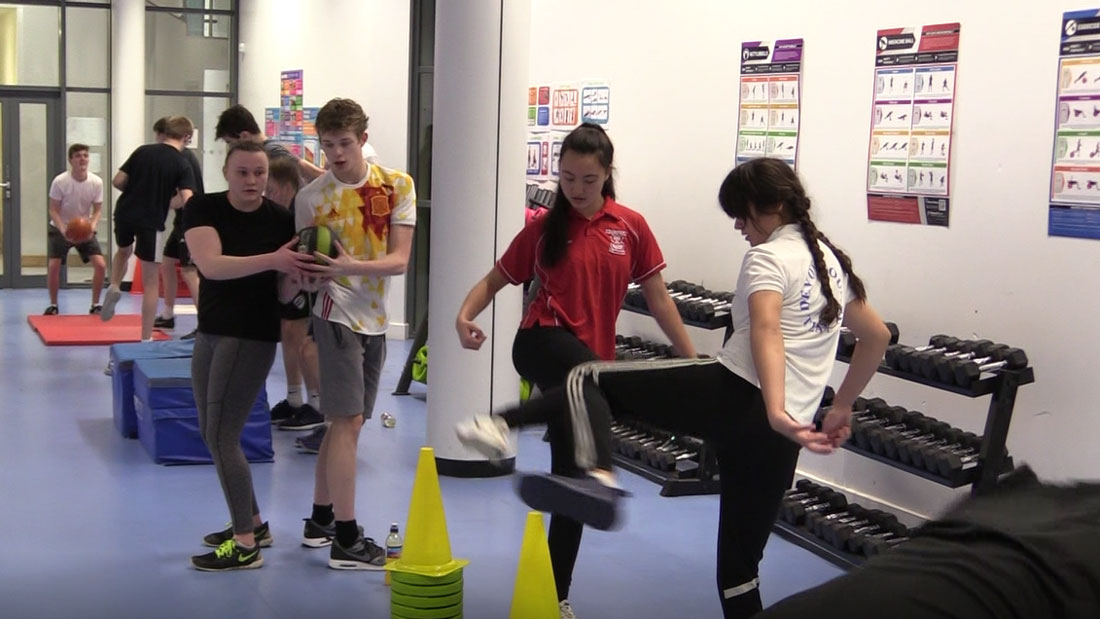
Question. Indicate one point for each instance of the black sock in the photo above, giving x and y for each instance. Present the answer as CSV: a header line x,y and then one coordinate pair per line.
x,y
322,514
347,532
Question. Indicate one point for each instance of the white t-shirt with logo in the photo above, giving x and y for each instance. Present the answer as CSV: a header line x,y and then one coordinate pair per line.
x,y
76,197
783,264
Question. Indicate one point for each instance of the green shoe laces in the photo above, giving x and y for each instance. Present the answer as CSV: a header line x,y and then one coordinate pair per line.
x,y
225,549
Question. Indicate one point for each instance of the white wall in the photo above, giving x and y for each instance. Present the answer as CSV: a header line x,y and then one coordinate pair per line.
x,y
345,48
994,273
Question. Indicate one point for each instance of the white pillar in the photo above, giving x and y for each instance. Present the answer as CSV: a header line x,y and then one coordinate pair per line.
x,y
127,86
481,69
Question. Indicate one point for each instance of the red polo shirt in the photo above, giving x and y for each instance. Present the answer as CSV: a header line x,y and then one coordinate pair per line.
x,y
585,290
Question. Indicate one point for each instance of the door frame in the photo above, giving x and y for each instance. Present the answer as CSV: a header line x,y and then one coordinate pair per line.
x,y
12,275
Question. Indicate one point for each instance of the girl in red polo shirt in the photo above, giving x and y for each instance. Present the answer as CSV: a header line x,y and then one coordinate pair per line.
x,y
757,401
585,252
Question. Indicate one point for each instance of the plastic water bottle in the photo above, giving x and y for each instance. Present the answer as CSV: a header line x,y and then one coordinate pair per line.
x,y
394,543
388,420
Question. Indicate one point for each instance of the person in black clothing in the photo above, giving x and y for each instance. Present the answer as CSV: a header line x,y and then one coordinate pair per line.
x,y
237,124
154,180
175,248
240,242
1024,550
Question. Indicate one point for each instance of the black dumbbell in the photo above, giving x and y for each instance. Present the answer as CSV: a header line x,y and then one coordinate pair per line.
x,y
877,437
847,343
968,372
874,545
795,512
894,352
919,425
906,446
951,460
910,361
949,437
925,364
944,367
837,533
888,416
887,525
816,522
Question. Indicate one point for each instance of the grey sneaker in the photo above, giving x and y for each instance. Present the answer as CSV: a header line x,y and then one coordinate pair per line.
x,y
566,610
487,434
109,302
364,554
316,535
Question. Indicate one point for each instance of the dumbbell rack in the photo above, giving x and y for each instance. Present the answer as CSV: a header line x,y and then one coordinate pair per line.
x,y
992,458
707,480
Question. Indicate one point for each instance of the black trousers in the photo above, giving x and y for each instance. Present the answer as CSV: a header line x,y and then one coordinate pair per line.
x,y
704,399
545,356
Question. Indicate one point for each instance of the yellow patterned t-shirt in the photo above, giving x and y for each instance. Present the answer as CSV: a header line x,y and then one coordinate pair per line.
x,y
361,216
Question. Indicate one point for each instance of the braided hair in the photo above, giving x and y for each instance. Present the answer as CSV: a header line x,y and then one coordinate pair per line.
x,y
766,186
587,139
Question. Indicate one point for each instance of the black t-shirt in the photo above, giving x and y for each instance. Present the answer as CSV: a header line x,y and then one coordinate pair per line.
x,y
247,307
153,174
198,189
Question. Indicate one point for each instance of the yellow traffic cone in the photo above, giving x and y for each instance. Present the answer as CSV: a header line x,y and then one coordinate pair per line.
x,y
427,548
535,595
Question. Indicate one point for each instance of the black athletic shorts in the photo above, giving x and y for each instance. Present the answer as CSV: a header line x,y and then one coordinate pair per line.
x,y
146,241
176,247
57,246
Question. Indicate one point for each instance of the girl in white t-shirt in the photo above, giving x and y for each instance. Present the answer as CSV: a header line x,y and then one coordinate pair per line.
x,y
756,402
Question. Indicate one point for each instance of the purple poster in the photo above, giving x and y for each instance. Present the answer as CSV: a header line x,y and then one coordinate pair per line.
x,y
768,118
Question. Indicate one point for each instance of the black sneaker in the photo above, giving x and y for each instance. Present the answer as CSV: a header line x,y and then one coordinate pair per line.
x,y
262,533
584,499
364,554
283,411
164,323
95,309
316,535
191,335
311,443
306,418
51,311
228,556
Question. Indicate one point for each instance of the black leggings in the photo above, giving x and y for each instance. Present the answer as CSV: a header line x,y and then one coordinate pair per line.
x,y
545,356
704,399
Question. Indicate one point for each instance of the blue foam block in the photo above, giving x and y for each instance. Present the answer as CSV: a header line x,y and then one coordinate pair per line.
x,y
122,375
168,420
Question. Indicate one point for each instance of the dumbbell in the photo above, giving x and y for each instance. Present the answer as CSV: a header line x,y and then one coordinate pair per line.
x,y
968,372
925,363
905,359
874,546
906,446
877,437
649,454
668,460
795,512
883,416
949,437
944,367
950,460
896,353
921,425
837,533
847,343
886,525
817,521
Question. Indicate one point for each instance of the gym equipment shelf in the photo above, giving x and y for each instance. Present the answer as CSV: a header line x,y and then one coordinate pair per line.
x,y
721,321
978,389
670,485
805,539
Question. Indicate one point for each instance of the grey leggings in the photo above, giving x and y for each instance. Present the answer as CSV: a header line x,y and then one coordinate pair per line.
x,y
226,376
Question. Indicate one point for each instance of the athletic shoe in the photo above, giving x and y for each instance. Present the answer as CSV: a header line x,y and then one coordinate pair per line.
x,y
51,311
566,610
364,554
311,443
228,556
318,535
487,434
262,533
306,418
584,499
110,369
109,302
164,323
191,335
282,411
96,308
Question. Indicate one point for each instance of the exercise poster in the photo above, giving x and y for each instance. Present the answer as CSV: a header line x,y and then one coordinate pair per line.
x,y
768,118
290,105
311,143
1075,171
271,122
912,111
553,110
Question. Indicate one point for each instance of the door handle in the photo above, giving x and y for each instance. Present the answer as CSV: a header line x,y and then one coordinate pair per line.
x,y
5,185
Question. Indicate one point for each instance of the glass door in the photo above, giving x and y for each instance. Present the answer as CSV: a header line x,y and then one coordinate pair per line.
x,y
30,156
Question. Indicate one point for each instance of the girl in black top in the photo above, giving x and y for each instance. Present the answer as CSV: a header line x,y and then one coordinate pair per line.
x,y
241,242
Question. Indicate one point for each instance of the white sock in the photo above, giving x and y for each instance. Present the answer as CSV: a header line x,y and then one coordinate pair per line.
x,y
294,396
114,288
606,478
168,313
315,399
146,341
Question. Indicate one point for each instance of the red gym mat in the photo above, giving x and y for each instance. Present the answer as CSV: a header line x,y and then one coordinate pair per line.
x,y
89,330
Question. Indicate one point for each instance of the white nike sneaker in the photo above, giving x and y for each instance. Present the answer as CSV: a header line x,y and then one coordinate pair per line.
x,y
566,610
487,434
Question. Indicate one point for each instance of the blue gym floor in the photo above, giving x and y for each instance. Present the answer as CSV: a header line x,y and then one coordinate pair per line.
x,y
92,528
